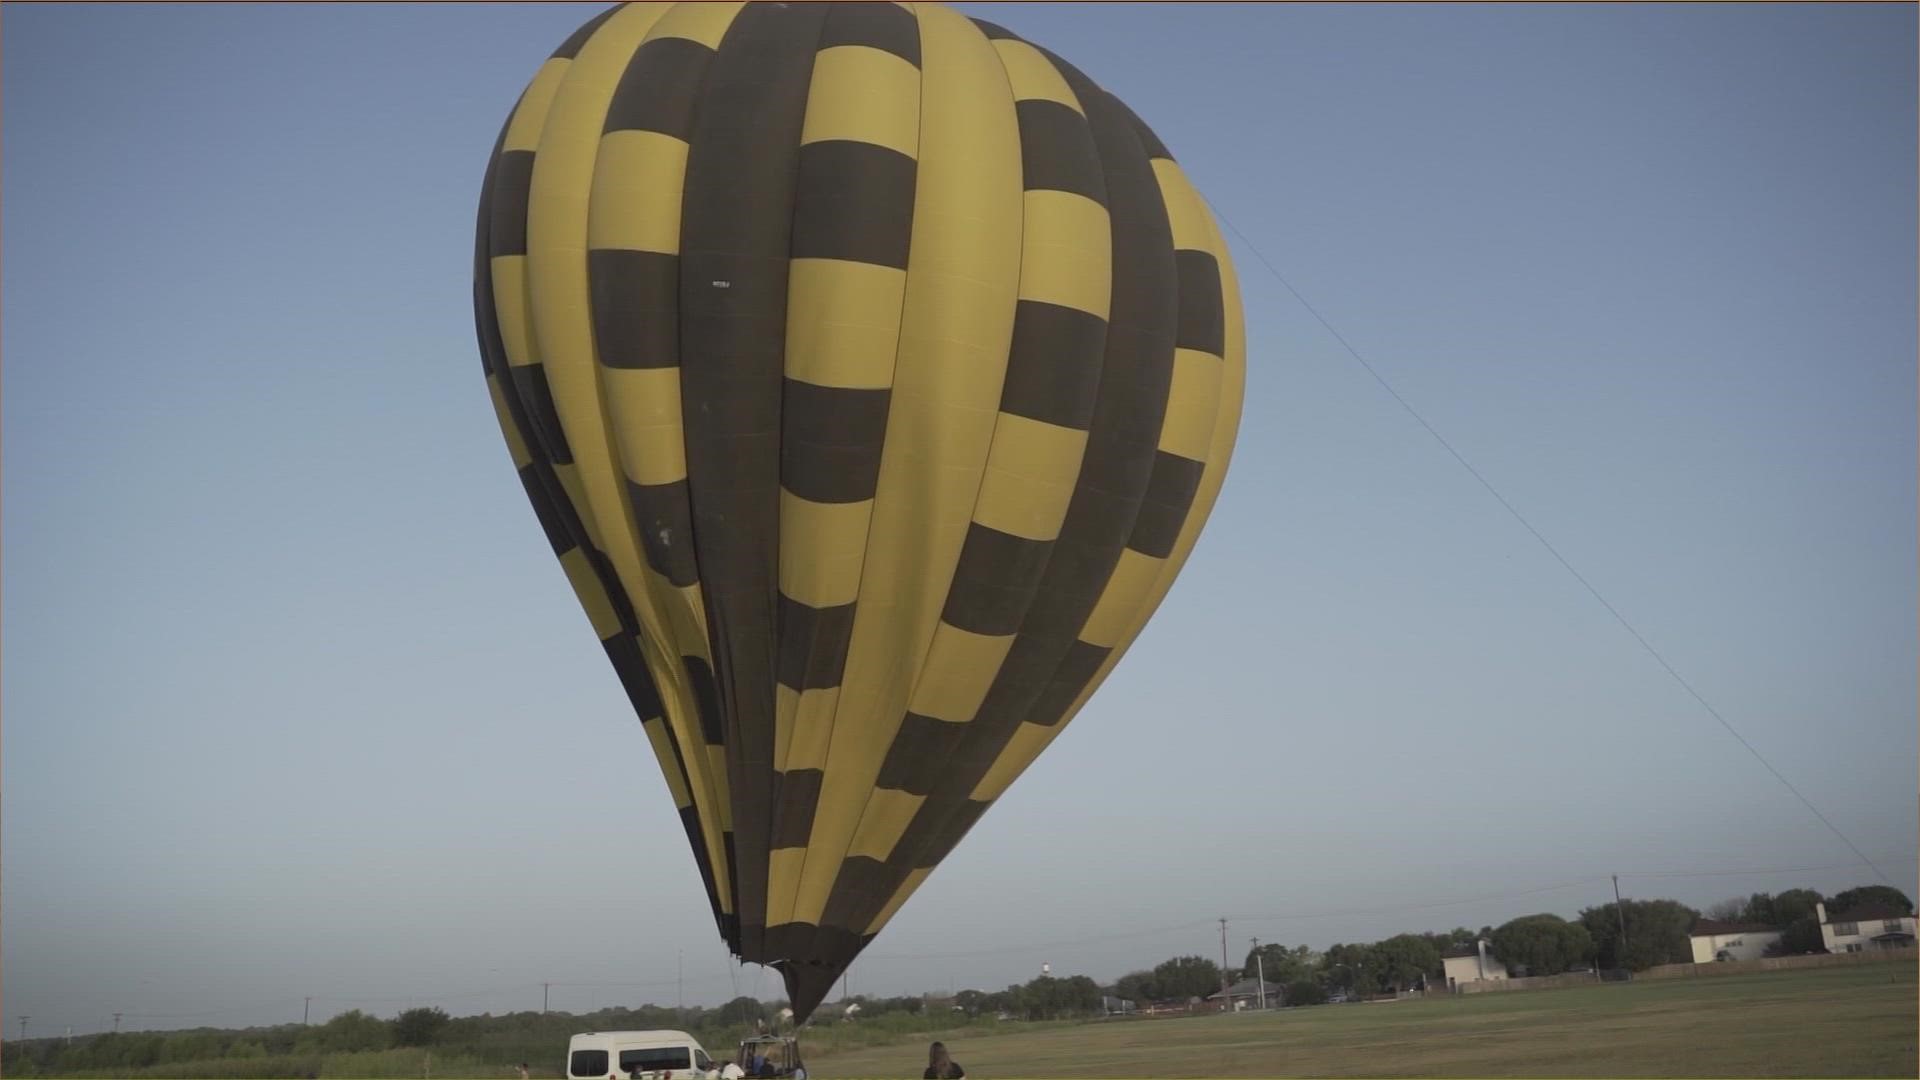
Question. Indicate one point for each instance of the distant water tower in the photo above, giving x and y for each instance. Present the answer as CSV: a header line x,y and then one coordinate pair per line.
x,y
1046,970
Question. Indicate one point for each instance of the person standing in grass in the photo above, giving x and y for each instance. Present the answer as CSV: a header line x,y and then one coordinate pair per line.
x,y
941,1066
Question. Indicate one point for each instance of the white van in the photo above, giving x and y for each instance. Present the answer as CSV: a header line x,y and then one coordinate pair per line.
x,y
638,1055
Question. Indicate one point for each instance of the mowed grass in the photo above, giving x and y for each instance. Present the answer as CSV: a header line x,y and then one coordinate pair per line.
x,y
1832,1022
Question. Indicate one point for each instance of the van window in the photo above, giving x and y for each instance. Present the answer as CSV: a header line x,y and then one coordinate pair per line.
x,y
588,1063
701,1061
655,1058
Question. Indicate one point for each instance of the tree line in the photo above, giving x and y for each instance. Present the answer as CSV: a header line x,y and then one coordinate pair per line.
x,y
1655,932
1633,935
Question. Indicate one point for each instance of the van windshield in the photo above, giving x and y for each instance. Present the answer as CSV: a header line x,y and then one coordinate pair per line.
x,y
588,1063
655,1059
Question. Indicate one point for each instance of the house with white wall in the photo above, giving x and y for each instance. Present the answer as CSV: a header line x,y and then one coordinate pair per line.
x,y
1714,941
1471,963
1874,926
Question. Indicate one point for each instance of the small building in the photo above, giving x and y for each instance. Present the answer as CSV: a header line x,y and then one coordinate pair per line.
x,y
1471,963
1714,941
1115,1006
1247,994
1874,926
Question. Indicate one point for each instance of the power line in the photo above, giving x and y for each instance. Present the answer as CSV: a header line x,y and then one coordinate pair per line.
x,y
1403,908
1551,550
1392,910
1896,860
1041,944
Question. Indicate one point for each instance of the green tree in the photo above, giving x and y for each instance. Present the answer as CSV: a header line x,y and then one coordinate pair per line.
x,y
1281,964
1305,992
1080,995
1458,937
1350,967
1403,959
1186,977
1656,933
1799,937
1542,944
1050,998
1792,911
353,1031
1870,896
1137,987
744,1011
1770,910
1793,904
419,1027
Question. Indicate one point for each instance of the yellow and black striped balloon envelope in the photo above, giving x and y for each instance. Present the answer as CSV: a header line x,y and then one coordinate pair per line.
x,y
872,372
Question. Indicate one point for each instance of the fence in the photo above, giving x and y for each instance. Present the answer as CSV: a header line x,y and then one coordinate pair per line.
x,y
1779,963
1535,982
1694,971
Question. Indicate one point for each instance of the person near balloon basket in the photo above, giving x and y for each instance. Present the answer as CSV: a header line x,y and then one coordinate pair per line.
x,y
941,1066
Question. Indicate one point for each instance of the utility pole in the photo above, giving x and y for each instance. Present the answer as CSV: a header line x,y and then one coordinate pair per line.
x,y
305,1012
69,1034
1226,988
116,1023
23,1027
543,998
679,982
1260,966
1620,909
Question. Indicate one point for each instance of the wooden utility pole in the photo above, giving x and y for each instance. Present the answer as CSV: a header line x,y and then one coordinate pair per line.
x,y
1226,988
1260,969
1620,909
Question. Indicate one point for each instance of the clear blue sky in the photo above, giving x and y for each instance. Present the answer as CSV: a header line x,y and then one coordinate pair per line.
x,y
297,702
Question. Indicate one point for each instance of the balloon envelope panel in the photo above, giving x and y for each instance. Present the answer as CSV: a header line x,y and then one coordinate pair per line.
x,y
871,372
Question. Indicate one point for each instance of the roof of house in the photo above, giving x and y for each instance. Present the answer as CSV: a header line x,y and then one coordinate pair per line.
x,y
1708,927
1868,913
1246,988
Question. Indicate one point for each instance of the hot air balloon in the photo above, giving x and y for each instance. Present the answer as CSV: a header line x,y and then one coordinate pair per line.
x,y
871,372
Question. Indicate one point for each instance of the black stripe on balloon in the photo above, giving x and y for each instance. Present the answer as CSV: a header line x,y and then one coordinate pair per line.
x,y
918,756
887,27
854,202
994,31
1082,663
831,441
799,794
1053,365
1164,508
571,47
1057,151
529,385
994,581
1203,316
813,644
513,185
665,525
660,87
736,228
636,307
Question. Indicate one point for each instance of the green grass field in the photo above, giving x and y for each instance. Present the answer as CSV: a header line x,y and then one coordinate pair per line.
x,y
1834,1022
